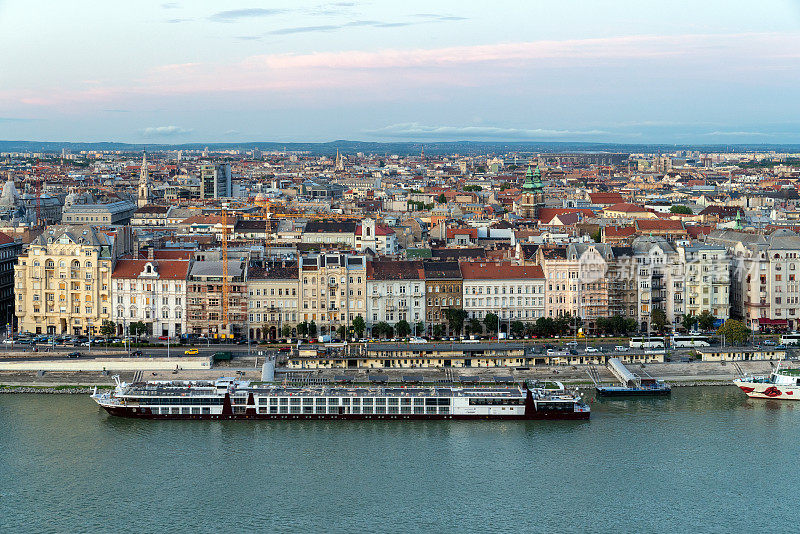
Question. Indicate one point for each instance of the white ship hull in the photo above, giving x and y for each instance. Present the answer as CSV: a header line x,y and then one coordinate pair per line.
x,y
767,390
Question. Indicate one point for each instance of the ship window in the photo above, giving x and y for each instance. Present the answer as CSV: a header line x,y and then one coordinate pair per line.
x,y
294,402
380,409
405,409
366,400
321,400
294,409
308,409
380,401
206,410
273,409
284,401
419,409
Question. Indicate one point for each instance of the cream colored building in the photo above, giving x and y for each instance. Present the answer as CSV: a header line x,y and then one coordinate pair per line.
x,y
707,280
63,284
272,300
333,289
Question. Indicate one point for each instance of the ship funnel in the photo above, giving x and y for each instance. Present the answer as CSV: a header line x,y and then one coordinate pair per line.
x,y
268,369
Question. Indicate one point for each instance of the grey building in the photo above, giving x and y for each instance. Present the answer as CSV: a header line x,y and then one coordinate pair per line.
x,y
119,212
215,181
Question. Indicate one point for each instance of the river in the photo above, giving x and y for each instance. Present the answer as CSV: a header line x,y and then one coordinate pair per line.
x,y
707,459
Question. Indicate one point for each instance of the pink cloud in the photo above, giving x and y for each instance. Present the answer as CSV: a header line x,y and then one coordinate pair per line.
x,y
384,74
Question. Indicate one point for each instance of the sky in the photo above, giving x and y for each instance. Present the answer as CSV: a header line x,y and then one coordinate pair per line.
x,y
687,72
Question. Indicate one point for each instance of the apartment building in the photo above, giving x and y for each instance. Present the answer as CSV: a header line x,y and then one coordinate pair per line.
x,y
660,280
151,291
204,296
332,289
707,280
10,249
512,292
576,280
765,286
63,284
443,291
395,292
273,302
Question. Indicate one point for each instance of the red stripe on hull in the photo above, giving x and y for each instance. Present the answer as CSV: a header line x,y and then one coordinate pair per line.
x,y
551,416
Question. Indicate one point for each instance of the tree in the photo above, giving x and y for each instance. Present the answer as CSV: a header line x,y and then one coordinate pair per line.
x,y
420,328
342,332
681,209
381,329
491,322
735,332
438,330
517,328
286,331
475,327
403,328
597,236
455,319
658,319
631,325
706,320
312,329
359,326
302,329
108,328
688,322
138,328
441,199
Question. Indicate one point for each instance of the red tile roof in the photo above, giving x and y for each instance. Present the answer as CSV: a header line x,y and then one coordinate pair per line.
x,y
606,198
619,231
500,271
652,225
452,232
5,239
626,207
546,214
167,270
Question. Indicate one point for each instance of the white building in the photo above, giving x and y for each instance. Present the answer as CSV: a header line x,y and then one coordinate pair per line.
x,y
512,292
153,291
395,292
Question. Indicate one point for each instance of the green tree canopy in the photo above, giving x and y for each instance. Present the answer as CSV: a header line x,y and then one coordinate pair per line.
x,y
455,319
679,208
688,322
359,325
403,328
658,319
490,322
706,320
735,332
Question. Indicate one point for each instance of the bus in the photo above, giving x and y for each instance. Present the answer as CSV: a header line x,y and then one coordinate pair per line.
x,y
790,339
690,341
646,343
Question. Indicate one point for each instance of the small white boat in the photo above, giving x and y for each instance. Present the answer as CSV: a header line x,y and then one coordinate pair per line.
x,y
781,384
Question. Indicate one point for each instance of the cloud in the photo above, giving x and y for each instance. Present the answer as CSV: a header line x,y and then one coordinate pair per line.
x,y
360,23
238,14
416,130
177,21
170,5
737,134
164,131
14,119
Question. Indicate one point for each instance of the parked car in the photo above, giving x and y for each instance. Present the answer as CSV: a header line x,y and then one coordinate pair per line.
x,y
136,353
8,341
163,338
75,354
591,349
191,351
620,348
770,342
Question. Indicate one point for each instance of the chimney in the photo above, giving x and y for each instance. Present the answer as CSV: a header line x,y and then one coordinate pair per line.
x,y
151,253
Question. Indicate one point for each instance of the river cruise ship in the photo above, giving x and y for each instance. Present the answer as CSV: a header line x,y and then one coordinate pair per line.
x,y
780,384
228,398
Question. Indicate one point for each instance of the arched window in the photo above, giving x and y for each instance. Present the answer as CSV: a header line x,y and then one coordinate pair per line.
x,y
62,264
36,263
50,264
88,265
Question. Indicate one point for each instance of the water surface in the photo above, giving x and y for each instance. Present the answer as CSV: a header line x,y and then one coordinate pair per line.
x,y
706,460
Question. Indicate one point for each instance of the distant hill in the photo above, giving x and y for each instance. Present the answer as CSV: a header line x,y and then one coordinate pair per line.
x,y
399,148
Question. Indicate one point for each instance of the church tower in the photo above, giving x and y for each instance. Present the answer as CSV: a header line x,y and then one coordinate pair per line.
x,y
144,184
339,165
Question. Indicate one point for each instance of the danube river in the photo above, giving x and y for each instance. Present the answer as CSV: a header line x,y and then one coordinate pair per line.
x,y
706,460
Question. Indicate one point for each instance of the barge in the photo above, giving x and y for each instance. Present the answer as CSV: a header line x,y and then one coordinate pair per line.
x,y
782,384
228,398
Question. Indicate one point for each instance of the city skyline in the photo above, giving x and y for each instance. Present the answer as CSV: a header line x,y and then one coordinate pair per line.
x,y
174,72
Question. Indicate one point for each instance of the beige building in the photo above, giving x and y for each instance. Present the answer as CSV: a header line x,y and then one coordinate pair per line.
x,y
63,284
707,280
273,302
333,290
